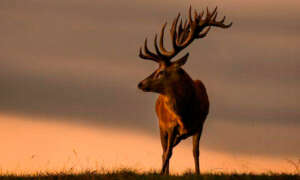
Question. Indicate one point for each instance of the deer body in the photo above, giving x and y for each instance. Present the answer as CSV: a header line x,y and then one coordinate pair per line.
x,y
182,114
186,112
183,104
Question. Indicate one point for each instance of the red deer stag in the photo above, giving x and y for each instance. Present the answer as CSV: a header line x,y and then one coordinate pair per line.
x,y
182,105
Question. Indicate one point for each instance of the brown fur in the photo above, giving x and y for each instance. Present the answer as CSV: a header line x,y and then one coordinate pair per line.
x,y
168,118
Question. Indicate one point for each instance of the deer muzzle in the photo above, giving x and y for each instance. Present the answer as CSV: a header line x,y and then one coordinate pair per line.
x,y
143,85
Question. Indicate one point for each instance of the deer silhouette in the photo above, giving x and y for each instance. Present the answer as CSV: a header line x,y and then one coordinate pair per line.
x,y
183,105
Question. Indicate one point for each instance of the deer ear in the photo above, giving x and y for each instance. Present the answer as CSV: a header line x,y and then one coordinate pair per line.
x,y
180,62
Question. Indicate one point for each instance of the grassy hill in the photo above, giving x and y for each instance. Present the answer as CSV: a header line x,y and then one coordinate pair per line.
x,y
130,174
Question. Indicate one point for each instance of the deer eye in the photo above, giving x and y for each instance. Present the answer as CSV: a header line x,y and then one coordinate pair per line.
x,y
160,74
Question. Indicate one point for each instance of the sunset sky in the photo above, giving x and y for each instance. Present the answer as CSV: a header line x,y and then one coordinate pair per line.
x,y
69,72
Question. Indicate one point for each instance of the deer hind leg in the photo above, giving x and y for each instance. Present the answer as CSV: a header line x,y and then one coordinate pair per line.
x,y
164,144
168,153
196,140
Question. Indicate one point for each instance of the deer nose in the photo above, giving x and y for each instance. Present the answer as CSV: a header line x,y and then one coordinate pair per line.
x,y
140,85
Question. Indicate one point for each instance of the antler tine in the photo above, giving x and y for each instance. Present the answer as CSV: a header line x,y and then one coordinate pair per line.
x,y
173,33
223,20
214,17
214,11
180,32
147,53
221,23
164,52
145,56
207,13
156,47
190,15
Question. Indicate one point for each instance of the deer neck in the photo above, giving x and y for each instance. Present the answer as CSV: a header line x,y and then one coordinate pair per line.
x,y
180,96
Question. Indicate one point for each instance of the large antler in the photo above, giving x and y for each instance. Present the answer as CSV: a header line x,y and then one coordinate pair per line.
x,y
182,35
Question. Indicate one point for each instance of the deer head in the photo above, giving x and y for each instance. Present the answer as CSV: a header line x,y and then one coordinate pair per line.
x,y
170,72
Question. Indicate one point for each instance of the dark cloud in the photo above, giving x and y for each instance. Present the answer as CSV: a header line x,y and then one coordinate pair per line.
x,y
79,60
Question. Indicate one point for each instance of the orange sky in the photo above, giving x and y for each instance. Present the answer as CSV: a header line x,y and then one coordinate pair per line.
x,y
29,145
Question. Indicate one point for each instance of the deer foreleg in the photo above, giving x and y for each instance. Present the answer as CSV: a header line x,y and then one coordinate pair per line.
x,y
168,152
164,144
